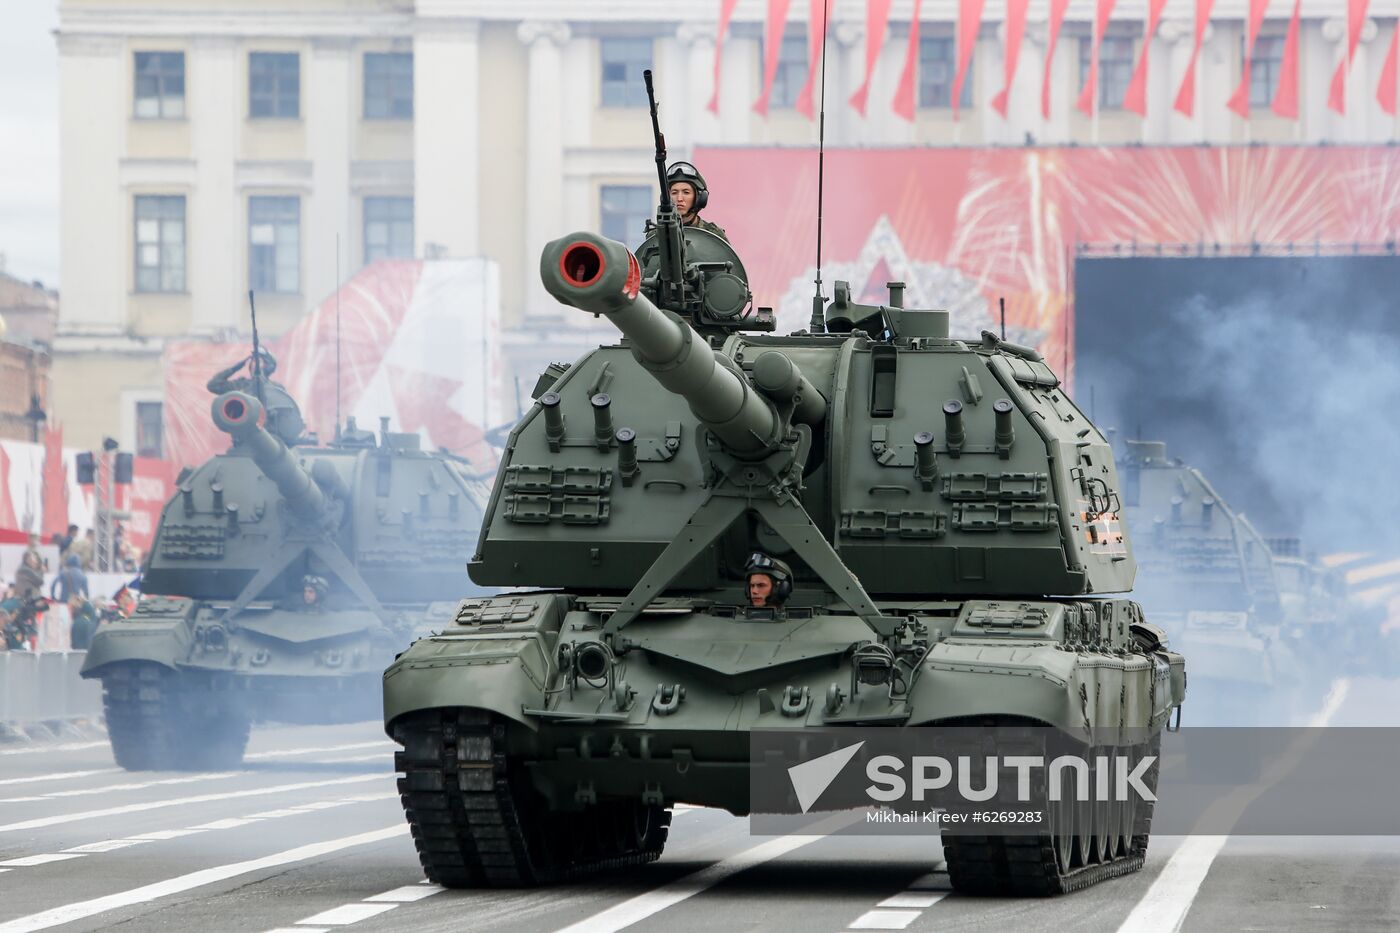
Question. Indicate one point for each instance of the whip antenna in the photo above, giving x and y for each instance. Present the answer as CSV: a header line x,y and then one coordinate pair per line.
x,y
818,322
257,351
337,336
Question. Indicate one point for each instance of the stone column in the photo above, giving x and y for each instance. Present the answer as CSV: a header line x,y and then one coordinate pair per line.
x,y
695,124
97,236
446,134
216,220
544,152
330,99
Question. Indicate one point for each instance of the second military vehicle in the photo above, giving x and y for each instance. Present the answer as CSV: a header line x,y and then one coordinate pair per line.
x,y
949,519
282,578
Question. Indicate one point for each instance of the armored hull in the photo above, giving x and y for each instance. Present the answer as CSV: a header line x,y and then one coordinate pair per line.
x,y
951,520
229,633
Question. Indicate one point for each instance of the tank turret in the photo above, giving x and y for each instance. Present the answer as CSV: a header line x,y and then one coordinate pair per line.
x,y
241,417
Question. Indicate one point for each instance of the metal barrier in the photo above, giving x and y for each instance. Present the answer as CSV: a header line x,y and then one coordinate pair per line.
x,y
45,687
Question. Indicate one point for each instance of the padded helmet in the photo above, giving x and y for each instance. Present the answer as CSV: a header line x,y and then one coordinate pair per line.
x,y
686,172
776,570
319,584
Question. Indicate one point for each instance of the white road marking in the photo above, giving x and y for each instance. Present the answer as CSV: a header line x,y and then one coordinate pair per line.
x,y
347,914
884,920
68,913
642,906
50,749
404,895
60,776
919,899
230,823
61,818
30,861
1166,903
141,785
299,930
160,835
321,749
110,845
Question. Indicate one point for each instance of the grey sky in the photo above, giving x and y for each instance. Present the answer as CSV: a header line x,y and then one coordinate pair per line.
x,y
29,139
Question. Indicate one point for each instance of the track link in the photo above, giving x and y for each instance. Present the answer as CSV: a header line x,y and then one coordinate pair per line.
x,y
156,724
477,823
1028,866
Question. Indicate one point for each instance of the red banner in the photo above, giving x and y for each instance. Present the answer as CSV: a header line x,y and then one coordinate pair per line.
x,y
772,49
816,33
1286,96
1186,94
1135,99
1356,21
1015,32
964,227
1385,90
1239,101
969,24
877,20
1058,8
904,102
1089,95
726,13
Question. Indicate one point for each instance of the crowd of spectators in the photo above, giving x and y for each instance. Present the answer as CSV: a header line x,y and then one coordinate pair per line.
x,y
24,604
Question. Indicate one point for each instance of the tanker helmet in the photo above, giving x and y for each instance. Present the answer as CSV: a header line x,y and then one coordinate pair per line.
x,y
688,173
776,570
319,584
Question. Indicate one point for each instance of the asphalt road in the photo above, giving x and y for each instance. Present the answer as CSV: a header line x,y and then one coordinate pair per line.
x,y
309,836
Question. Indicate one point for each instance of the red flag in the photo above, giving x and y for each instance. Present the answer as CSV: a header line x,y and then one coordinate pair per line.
x,y
1015,31
1356,20
1057,19
969,24
1286,96
772,48
726,12
816,32
904,94
1136,97
1239,101
1385,92
877,20
1186,94
1088,95
55,484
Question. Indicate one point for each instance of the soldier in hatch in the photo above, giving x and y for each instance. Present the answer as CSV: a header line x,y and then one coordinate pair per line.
x,y
768,579
689,194
313,593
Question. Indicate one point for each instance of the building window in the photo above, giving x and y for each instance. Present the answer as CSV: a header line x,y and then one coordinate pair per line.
x,y
160,243
1115,68
149,439
625,212
160,85
388,85
623,61
791,75
938,64
274,85
1264,66
388,228
274,244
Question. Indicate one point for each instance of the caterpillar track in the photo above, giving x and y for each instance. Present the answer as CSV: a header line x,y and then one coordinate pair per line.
x,y
476,823
154,726
1087,844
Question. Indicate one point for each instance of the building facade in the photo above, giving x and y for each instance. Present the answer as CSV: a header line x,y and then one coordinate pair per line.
x,y
213,147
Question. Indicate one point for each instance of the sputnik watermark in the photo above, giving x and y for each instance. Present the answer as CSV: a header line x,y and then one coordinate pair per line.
x,y
1104,778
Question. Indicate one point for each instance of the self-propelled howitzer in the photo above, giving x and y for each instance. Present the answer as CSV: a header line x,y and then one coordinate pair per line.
x,y
282,578
951,521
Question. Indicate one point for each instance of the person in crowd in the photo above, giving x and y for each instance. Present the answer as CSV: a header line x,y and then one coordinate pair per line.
x,y
84,622
71,581
29,579
126,602
64,540
86,549
38,555
5,619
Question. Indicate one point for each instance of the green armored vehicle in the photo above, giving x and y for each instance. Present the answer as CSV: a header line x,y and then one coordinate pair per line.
x,y
282,578
1209,578
935,520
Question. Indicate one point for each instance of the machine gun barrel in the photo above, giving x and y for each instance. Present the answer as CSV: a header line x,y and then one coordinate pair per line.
x,y
240,416
601,276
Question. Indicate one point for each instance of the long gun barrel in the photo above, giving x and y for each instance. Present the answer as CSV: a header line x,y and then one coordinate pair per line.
x,y
240,415
601,276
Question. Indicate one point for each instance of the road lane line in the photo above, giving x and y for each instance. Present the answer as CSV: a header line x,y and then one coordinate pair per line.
x,y
50,749
61,818
637,909
261,756
407,894
884,920
60,776
68,913
917,899
1165,905
30,861
142,785
346,914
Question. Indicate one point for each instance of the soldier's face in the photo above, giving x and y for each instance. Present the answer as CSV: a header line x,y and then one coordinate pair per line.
x,y
308,595
683,196
760,588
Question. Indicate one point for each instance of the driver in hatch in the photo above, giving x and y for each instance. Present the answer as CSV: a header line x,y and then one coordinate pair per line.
x,y
313,593
769,581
